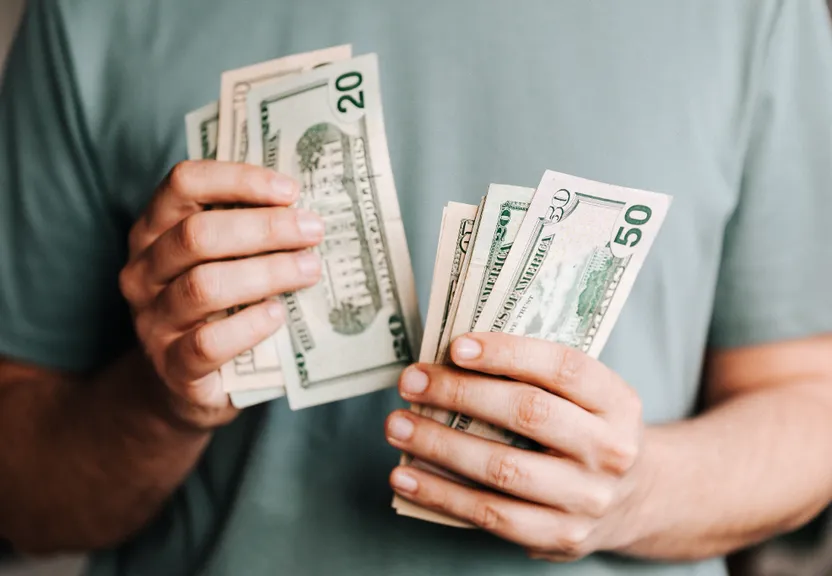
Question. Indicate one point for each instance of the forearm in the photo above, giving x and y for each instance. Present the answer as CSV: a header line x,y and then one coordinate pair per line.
x,y
756,465
90,461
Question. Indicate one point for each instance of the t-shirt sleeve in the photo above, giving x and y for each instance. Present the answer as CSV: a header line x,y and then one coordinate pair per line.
x,y
60,246
776,274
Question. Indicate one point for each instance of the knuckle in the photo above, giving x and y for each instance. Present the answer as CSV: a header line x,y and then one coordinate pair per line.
x,y
182,175
567,364
249,178
144,326
598,501
503,471
457,390
276,272
200,286
205,344
531,410
196,235
486,515
274,225
134,239
573,540
517,354
618,455
438,448
633,402
128,284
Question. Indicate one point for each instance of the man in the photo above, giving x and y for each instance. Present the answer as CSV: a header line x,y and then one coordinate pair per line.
x,y
119,439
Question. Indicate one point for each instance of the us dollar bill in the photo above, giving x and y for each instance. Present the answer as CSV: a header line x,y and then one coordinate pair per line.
x,y
454,240
257,369
201,132
246,377
236,84
503,211
568,273
456,292
359,326
571,268
500,215
453,246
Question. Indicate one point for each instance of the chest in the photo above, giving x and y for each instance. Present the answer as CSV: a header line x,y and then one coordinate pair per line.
x,y
477,92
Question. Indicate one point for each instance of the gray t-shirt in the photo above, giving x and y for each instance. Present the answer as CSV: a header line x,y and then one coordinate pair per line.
x,y
725,104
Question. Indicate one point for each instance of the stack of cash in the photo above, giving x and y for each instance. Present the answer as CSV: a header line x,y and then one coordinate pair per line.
x,y
555,263
317,117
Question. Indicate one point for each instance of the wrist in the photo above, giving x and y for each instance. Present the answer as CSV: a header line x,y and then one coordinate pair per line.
x,y
184,414
640,511
178,411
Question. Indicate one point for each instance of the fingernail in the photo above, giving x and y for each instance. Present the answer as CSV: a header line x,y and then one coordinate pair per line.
x,y
400,428
403,481
283,187
414,381
310,225
309,264
275,310
466,348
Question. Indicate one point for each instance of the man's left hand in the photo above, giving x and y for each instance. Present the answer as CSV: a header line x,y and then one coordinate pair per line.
x,y
570,499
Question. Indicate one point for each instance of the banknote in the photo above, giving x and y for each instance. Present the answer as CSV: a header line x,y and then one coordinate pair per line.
x,y
245,398
450,314
453,246
454,241
355,330
235,84
258,368
568,273
251,369
503,211
572,266
201,132
453,259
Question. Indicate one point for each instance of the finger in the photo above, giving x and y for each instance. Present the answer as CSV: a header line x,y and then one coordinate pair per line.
x,y
221,234
192,184
207,347
216,286
532,413
532,476
557,368
527,524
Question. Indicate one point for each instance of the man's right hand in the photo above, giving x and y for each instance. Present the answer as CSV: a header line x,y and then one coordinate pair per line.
x,y
187,263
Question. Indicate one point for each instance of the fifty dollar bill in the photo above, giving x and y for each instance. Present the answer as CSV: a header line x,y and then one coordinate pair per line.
x,y
569,271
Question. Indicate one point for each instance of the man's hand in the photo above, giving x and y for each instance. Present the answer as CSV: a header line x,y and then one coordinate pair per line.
x,y
187,263
561,503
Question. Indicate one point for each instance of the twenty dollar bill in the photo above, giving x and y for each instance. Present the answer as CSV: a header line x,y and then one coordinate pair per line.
x,y
359,326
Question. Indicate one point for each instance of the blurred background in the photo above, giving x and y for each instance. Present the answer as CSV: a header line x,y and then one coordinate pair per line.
x,y
10,13
806,553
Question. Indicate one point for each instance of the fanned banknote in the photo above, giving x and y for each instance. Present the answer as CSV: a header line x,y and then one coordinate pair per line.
x,y
568,273
256,370
358,328
572,267
454,243
503,211
236,84
201,133
455,291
